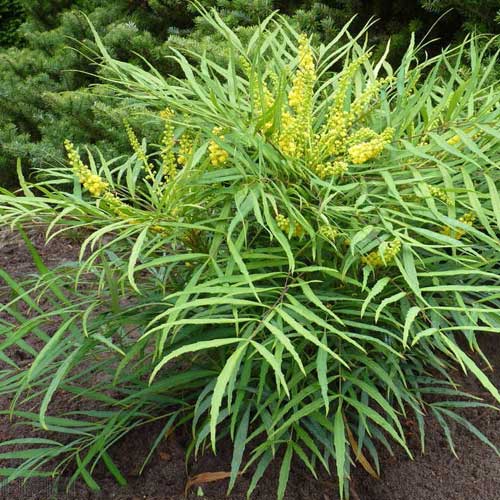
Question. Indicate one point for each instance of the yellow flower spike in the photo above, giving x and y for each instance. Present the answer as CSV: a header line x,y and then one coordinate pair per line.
x,y
218,155
297,130
298,231
363,134
364,151
454,140
112,200
300,95
166,114
168,163
440,194
374,259
345,79
287,140
334,135
467,219
328,232
283,223
136,147
186,144
330,169
360,103
90,181
339,168
160,230
333,139
296,122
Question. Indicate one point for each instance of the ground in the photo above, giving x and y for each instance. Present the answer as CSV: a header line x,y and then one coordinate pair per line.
x,y
437,475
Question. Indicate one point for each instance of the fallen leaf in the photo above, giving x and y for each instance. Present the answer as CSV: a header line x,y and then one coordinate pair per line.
x,y
359,454
205,477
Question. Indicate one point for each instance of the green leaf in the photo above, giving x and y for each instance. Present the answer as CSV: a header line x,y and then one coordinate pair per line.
x,y
494,197
286,342
239,448
273,362
111,466
198,346
220,389
389,300
54,384
284,472
339,439
472,366
134,255
259,471
377,288
322,370
410,318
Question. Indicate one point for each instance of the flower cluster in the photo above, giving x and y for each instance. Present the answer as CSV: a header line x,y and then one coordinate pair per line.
x,y
456,139
116,206
167,142
364,134
328,232
284,224
328,151
296,128
218,155
364,151
298,231
160,230
467,219
301,93
334,137
90,181
378,259
288,139
345,79
329,169
186,144
137,148
440,194
360,103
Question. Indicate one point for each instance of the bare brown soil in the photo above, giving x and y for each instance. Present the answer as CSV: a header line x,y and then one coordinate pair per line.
x,y
437,475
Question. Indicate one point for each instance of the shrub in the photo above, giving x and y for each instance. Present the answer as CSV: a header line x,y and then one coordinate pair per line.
x,y
301,260
11,16
45,84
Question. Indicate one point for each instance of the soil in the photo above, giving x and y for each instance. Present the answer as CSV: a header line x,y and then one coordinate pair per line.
x,y
437,475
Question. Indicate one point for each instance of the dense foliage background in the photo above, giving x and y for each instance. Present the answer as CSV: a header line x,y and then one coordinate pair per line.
x,y
45,72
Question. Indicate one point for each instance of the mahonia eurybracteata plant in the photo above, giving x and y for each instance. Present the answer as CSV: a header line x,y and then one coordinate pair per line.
x,y
330,147
322,232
